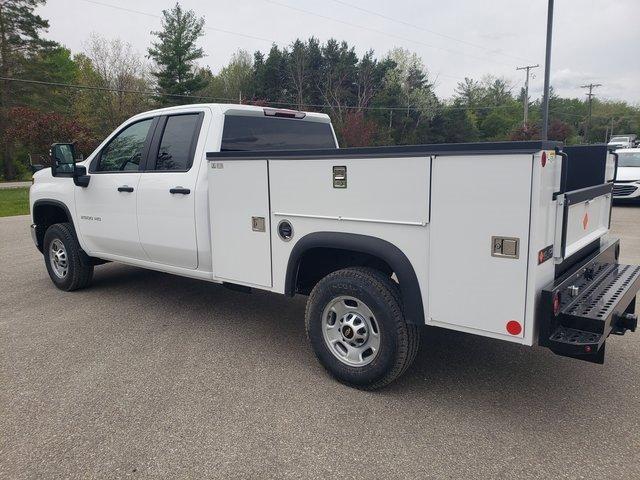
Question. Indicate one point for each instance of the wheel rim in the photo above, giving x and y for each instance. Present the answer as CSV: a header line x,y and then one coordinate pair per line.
x,y
58,258
350,331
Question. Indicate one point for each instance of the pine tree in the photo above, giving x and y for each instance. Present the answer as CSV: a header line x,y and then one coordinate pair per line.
x,y
175,53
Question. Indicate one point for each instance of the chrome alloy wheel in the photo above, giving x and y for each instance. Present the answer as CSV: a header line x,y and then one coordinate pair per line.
x,y
350,331
58,258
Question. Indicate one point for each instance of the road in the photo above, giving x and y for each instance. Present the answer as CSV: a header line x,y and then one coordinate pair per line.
x,y
5,185
150,375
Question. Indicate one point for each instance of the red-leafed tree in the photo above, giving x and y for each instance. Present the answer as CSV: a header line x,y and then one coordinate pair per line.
x,y
525,132
559,130
35,131
356,130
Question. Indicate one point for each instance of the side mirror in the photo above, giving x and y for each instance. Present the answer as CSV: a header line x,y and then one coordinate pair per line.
x,y
63,158
63,164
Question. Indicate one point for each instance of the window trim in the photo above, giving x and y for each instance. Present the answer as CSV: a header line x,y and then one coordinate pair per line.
x,y
93,167
152,157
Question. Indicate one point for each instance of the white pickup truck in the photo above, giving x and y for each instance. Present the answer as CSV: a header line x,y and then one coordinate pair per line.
x,y
504,240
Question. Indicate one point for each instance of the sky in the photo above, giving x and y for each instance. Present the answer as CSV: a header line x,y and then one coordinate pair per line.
x,y
593,41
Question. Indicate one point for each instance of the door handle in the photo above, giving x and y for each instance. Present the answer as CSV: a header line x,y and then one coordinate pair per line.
x,y
183,191
125,188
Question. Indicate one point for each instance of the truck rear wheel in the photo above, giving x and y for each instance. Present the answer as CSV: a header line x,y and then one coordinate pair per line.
x,y
356,327
69,268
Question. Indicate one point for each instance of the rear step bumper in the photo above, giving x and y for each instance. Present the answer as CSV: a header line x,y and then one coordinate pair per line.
x,y
591,301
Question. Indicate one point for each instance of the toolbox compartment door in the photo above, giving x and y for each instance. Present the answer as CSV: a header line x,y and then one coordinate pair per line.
x,y
240,229
583,216
475,202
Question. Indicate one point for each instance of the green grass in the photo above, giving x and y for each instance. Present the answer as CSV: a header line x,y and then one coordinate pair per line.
x,y
14,201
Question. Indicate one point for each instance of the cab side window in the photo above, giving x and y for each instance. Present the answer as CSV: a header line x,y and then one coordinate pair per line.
x,y
177,145
124,152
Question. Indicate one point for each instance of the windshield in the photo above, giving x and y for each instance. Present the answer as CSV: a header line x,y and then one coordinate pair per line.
x,y
249,133
619,139
630,159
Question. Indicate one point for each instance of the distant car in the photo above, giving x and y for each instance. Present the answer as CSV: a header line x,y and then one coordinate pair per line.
x,y
627,184
623,141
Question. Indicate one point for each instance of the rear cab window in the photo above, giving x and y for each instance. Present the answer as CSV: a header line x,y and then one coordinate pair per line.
x,y
260,133
177,144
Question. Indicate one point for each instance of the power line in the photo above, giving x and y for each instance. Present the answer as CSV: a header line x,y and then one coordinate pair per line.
x,y
272,102
381,32
418,27
229,100
140,12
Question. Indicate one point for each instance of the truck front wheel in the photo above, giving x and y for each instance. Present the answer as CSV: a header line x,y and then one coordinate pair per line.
x,y
356,327
69,268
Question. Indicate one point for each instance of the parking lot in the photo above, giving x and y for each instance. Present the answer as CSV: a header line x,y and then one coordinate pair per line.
x,y
147,374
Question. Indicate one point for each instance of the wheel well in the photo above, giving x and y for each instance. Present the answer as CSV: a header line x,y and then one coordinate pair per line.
x,y
47,214
317,263
317,254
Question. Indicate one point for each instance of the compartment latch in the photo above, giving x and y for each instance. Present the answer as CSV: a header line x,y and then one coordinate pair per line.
x,y
505,247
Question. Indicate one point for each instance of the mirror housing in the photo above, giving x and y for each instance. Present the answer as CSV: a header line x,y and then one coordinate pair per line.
x,y
80,177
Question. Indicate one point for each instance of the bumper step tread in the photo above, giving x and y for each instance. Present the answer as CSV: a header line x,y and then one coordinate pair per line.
x,y
571,336
599,300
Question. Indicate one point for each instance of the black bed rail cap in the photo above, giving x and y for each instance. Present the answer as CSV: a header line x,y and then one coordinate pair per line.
x,y
480,148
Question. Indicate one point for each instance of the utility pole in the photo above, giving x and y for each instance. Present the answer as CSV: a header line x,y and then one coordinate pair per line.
x,y
590,96
526,92
547,68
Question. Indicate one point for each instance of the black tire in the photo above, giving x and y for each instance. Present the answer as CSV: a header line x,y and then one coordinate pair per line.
x,y
399,341
79,267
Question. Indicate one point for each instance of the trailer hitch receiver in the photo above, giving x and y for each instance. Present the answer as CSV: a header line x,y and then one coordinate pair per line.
x,y
624,322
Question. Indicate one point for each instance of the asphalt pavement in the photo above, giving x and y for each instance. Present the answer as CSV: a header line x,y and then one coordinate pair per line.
x,y
150,375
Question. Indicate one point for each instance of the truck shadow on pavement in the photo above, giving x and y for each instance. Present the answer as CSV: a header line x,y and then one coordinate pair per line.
x,y
450,364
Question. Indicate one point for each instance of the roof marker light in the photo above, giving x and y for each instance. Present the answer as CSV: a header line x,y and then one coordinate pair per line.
x,y
284,113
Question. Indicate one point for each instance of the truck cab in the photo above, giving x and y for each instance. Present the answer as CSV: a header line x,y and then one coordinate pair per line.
x,y
147,199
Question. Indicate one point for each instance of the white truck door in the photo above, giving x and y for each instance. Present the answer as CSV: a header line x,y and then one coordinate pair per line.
x,y
240,228
107,208
166,202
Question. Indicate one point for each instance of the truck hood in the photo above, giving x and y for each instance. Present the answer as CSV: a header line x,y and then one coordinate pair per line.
x,y
628,173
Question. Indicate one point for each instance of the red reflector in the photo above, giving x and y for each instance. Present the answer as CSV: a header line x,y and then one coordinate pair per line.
x,y
587,348
556,304
514,328
544,159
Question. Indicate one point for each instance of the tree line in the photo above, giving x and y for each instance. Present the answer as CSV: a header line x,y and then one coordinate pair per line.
x,y
48,93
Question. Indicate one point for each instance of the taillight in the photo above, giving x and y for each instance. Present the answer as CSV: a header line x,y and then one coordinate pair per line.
x,y
543,161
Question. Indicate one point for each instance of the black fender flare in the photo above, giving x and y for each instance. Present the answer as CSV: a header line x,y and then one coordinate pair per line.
x,y
384,250
40,231
53,203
